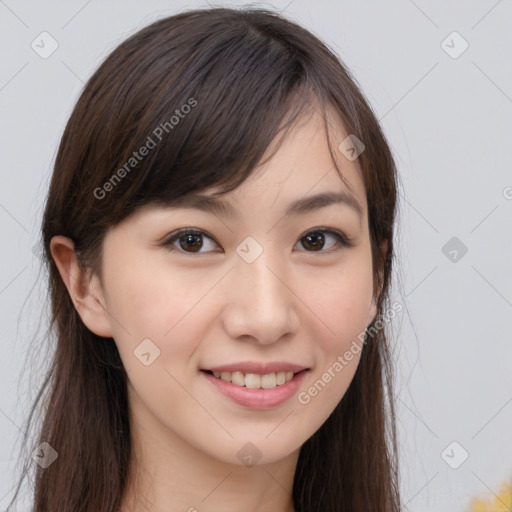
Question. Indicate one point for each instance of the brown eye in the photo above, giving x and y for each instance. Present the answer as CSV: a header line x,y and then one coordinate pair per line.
x,y
314,241
188,241
191,241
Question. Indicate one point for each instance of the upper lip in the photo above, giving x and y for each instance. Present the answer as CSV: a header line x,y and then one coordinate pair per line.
x,y
259,368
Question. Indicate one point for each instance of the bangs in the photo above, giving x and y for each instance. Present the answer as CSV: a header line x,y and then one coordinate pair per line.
x,y
203,118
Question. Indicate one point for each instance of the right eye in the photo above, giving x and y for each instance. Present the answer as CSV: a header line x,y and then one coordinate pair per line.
x,y
189,241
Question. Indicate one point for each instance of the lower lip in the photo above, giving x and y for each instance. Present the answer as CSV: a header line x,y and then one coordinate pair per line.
x,y
258,398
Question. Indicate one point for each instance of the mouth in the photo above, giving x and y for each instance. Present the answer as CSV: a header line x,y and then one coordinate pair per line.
x,y
255,380
257,391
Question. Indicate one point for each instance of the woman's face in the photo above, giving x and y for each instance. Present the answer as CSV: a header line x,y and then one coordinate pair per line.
x,y
264,286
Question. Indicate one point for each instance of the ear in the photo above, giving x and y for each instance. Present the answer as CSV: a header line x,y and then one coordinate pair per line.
x,y
84,289
372,313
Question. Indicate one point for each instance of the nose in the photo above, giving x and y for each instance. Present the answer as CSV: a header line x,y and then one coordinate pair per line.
x,y
260,306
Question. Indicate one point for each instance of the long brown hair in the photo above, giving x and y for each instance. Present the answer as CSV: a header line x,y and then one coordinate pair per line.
x,y
245,74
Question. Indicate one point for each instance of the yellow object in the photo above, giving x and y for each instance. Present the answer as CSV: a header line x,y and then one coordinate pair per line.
x,y
502,502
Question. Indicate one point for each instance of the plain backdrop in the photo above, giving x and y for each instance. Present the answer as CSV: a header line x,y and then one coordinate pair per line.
x,y
438,76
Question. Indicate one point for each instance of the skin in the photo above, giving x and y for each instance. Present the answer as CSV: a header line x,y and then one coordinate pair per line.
x,y
293,303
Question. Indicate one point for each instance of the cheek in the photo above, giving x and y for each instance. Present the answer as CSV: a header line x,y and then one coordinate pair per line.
x,y
340,300
152,302
152,297
166,309
340,326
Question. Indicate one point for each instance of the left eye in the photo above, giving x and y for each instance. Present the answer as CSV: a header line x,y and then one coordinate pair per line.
x,y
316,239
190,241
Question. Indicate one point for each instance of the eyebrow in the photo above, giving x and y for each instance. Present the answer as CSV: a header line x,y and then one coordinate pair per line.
x,y
304,205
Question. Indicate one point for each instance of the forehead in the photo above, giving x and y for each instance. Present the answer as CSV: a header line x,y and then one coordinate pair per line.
x,y
303,165
298,176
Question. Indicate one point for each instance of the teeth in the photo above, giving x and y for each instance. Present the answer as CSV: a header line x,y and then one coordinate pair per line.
x,y
238,378
268,381
254,380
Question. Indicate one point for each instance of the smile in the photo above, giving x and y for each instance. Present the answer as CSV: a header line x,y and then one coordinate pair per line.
x,y
254,380
256,391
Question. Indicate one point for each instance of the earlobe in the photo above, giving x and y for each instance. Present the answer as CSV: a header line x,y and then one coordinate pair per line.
x,y
83,288
372,313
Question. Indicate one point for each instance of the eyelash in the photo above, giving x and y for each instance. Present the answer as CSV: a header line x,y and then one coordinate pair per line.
x,y
344,241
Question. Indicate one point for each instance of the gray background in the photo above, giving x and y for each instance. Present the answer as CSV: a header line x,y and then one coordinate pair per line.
x,y
448,121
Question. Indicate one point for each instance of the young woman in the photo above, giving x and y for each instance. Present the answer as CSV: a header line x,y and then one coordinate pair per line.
x,y
219,240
